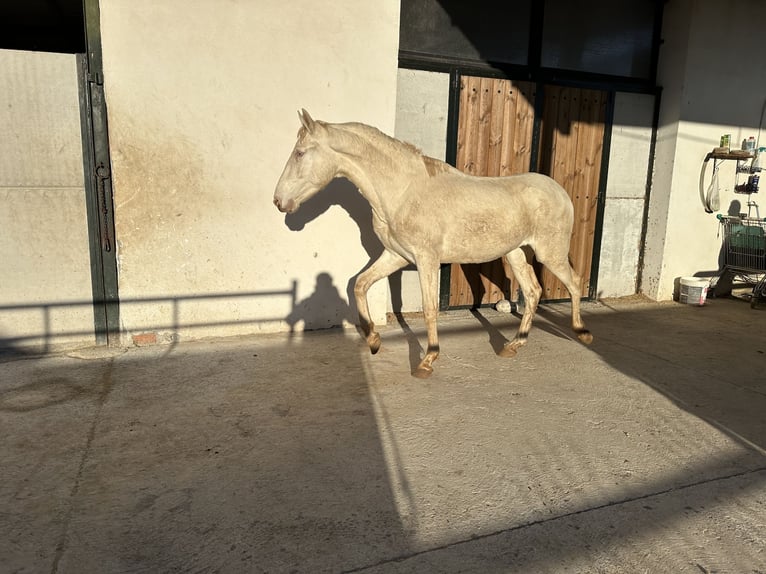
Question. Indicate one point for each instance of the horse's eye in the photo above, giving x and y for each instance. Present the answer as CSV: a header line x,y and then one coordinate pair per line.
x,y
299,153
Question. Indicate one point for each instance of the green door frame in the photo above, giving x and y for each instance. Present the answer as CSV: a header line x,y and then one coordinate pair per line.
x,y
98,182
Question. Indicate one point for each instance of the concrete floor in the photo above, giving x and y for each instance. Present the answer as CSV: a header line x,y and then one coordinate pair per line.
x,y
644,452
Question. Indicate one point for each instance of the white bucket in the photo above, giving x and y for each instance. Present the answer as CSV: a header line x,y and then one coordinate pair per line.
x,y
693,290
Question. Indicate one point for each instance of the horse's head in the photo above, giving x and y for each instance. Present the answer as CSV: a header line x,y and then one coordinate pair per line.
x,y
309,169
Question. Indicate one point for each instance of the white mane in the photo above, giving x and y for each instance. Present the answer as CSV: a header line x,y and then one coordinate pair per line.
x,y
393,147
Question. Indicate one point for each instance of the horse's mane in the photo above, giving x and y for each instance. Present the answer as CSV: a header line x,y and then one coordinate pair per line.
x,y
433,166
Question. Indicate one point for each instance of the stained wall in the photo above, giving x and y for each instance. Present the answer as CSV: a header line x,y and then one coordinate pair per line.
x,y
202,99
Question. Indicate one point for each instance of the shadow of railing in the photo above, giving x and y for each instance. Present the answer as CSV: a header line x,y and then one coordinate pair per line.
x,y
263,455
47,335
291,442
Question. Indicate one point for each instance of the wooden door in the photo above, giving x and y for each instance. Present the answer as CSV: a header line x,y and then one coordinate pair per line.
x,y
495,134
571,144
495,126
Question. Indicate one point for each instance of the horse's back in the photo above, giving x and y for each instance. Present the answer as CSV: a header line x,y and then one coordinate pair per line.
x,y
469,219
526,194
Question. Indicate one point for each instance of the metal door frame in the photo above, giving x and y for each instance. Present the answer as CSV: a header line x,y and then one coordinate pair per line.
x,y
98,182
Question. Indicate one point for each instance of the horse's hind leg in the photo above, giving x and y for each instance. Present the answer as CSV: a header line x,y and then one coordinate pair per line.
x,y
386,264
562,269
530,287
428,273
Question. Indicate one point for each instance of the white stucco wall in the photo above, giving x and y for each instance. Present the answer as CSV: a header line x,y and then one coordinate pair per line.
x,y
706,93
202,99
43,229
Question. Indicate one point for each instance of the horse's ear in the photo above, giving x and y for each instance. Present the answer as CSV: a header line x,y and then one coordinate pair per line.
x,y
307,121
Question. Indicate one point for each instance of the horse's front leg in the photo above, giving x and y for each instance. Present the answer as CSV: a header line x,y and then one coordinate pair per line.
x,y
428,273
386,264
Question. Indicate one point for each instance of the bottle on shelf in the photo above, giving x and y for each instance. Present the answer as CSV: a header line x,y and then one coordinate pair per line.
x,y
755,166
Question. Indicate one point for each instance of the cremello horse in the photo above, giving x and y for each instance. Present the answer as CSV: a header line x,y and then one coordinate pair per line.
x,y
426,212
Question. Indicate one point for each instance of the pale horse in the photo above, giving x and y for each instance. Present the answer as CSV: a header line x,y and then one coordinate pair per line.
x,y
426,212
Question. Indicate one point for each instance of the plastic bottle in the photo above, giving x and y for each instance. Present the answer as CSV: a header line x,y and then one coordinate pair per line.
x,y
756,165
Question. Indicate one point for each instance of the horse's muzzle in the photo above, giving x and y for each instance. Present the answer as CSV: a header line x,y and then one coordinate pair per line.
x,y
288,207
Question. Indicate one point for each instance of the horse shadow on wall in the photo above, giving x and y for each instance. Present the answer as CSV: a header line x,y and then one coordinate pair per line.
x,y
344,194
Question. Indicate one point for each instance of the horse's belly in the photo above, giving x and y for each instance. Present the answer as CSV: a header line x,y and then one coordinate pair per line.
x,y
490,251
466,231
472,241
479,240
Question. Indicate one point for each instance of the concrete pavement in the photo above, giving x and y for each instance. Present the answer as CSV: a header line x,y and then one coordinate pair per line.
x,y
644,452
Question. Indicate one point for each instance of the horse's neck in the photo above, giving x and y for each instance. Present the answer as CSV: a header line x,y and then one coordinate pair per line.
x,y
380,169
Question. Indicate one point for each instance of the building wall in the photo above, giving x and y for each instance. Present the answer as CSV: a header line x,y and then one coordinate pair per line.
x,y
202,103
45,288
626,189
706,93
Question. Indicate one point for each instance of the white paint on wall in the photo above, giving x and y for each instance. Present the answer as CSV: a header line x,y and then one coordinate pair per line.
x,y
44,239
202,100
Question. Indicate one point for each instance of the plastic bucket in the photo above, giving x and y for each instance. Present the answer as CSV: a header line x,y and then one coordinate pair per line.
x,y
693,290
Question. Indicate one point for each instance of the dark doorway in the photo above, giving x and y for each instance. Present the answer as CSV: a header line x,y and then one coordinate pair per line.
x,y
42,26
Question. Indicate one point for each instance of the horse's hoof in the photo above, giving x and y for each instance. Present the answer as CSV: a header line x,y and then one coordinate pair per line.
x,y
585,337
374,342
507,351
423,372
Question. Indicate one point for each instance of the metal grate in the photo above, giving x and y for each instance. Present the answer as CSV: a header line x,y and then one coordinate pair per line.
x,y
744,242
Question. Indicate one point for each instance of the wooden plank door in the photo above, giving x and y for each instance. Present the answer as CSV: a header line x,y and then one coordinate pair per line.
x,y
495,126
495,134
571,145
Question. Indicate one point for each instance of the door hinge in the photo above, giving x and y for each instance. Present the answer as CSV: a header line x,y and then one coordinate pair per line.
x,y
103,175
96,78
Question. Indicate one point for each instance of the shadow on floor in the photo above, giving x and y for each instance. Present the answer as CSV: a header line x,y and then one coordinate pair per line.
x,y
224,457
273,454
